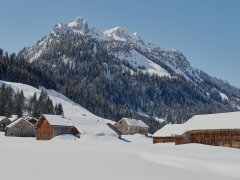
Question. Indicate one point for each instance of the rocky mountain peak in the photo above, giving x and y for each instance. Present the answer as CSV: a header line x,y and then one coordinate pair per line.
x,y
78,24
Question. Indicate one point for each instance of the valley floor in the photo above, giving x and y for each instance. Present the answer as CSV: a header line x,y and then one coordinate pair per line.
x,y
106,158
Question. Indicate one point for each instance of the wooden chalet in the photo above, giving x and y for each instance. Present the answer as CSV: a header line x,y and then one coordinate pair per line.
x,y
131,126
22,127
167,133
4,122
49,126
221,129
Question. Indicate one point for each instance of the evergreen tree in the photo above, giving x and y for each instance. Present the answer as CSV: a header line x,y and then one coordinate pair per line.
x,y
16,104
6,101
49,106
42,105
59,109
32,105
1,53
55,109
19,103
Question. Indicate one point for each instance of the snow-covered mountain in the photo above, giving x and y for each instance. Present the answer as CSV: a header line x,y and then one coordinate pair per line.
x,y
127,46
78,50
86,121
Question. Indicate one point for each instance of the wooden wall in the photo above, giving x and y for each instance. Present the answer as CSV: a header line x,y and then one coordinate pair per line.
x,y
21,129
225,137
44,130
123,127
59,130
163,139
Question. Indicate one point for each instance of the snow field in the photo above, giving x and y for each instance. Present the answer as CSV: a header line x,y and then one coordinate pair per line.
x,y
106,158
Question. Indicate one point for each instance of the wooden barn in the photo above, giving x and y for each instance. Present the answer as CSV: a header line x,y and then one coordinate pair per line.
x,y
49,126
4,122
167,133
221,129
21,127
131,126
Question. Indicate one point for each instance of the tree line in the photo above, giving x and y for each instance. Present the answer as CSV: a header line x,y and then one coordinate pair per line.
x,y
16,103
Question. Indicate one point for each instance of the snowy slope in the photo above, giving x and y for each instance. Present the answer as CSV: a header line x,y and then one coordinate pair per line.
x,y
138,60
122,34
87,122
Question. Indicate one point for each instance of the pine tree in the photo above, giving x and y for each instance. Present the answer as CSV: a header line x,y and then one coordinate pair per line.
x,y
59,109
42,105
19,103
2,99
49,106
32,105
6,101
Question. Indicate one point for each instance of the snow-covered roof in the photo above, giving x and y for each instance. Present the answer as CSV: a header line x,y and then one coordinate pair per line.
x,y
170,130
17,121
230,120
134,122
13,117
2,118
57,120
13,123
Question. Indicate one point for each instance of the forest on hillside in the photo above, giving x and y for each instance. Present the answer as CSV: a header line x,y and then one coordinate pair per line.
x,y
103,86
15,103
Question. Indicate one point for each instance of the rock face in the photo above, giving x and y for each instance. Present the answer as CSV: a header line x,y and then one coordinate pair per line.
x,y
74,48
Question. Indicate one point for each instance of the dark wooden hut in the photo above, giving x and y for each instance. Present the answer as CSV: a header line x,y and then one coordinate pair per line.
x,y
49,126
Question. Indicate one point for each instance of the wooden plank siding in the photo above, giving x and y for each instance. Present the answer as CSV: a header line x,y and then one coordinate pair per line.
x,y
220,137
163,139
22,128
44,130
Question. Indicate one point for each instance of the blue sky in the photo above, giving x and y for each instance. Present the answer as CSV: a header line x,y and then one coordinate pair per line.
x,y
206,31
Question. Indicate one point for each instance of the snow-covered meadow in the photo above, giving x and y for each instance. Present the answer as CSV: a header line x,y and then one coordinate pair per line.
x,y
99,154
106,157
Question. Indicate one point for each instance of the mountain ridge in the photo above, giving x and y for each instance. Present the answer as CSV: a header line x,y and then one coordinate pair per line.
x,y
75,48
80,25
